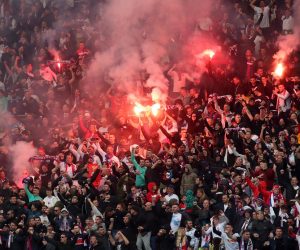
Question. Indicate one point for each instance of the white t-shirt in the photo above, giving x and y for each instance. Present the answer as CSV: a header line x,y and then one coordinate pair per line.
x,y
45,220
257,41
175,221
229,243
265,22
170,197
179,80
50,201
287,23
70,169
48,75
173,129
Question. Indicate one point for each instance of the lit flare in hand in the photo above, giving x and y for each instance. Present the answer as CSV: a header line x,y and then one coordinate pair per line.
x,y
138,109
206,53
155,109
209,52
279,70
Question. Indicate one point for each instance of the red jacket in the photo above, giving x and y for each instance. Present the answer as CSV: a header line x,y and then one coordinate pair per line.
x,y
87,133
255,189
151,194
91,168
268,177
268,194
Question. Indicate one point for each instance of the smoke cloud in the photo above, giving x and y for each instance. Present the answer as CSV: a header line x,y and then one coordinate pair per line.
x,y
289,43
143,36
20,153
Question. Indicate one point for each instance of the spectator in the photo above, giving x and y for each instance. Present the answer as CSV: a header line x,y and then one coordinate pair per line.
x,y
216,166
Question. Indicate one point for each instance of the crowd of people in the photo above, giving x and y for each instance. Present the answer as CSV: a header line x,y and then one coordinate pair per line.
x,y
216,168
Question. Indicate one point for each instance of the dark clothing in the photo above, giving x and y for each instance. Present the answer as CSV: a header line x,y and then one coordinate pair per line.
x,y
279,244
145,219
263,229
229,212
165,242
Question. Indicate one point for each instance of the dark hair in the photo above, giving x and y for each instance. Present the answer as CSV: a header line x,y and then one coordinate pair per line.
x,y
246,231
65,234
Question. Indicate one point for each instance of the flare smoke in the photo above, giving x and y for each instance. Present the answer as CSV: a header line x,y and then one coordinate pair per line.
x,y
141,35
290,42
20,153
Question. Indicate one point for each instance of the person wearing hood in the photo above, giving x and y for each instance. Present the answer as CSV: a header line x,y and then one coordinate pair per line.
x,y
65,221
152,195
272,197
188,179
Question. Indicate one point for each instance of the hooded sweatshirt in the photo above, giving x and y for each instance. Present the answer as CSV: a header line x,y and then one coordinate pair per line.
x,y
151,193
188,180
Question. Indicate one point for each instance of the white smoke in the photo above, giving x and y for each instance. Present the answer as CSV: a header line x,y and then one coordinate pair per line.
x,y
288,43
141,35
20,153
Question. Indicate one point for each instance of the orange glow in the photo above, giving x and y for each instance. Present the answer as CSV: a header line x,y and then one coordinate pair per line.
x,y
279,70
155,108
59,65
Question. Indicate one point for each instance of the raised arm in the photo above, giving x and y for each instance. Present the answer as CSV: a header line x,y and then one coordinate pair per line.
x,y
134,162
261,135
104,139
95,210
252,2
29,194
126,241
100,150
133,124
284,96
74,152
81,125
247,111
271,3
171,70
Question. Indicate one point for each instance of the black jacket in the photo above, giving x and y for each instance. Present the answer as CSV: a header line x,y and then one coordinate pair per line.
x,y
146,219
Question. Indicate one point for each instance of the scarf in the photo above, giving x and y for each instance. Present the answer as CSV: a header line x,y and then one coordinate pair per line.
x,y
249,245
10,239
283,217
29,243
65,227
275,198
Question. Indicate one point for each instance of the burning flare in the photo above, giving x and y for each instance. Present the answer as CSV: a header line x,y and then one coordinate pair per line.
x,y
209,53
155,109
206,53
279,70
138,108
